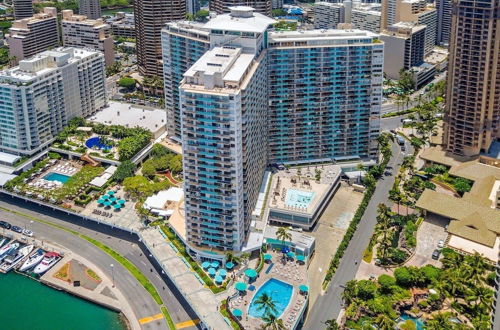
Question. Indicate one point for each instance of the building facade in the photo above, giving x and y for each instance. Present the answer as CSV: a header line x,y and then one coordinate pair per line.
x,y
22,8
472,112
122,25
328,15
150,17
324,99
90,8
184,42
224,137
404,47
80,32
366,17
443,8
223,6
44,92
30,36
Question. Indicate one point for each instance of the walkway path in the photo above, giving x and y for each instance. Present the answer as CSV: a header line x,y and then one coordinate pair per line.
x,y
328,306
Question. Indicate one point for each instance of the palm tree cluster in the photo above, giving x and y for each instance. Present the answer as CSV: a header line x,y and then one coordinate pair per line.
x,y
266,303
462,290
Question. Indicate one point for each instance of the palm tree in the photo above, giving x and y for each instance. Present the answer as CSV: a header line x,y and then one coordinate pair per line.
x,y
272,322
439,321
332,325
350,292
360,167
283,235
481,297
265,302
453,261
384,322
230,257
476,267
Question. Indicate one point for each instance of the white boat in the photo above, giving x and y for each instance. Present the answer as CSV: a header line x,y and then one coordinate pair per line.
x,y
13,259
32,261
7,249
2,241
49,259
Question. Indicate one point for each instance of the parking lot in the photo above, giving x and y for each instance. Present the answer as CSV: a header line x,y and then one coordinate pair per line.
x,y
431,231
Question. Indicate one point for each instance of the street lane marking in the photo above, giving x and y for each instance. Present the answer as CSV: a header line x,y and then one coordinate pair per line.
x,y
187,324
148,319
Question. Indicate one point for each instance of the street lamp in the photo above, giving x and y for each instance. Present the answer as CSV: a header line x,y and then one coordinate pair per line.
x,y
113,273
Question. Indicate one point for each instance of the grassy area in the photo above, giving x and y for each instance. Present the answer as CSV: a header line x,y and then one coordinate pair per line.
x,y
63,273
368,255
93,275
139,276
225,313
167,317
398,113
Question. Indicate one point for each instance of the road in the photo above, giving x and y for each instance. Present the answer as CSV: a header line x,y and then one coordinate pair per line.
x,y
392,107
328,306
124,244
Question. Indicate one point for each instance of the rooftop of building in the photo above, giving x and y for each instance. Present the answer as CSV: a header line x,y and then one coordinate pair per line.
x,y
299,192
474,216
241,18
21,24
298,238
338,35
69,17
128,115
222,67
403,29
43,63
372,8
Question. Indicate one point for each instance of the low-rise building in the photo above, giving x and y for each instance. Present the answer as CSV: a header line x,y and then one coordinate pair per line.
x,y
30,36
40,96
79,31
122,25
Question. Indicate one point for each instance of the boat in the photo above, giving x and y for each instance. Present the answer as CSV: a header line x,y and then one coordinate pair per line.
x,y
13,259
32,261
49,259
7,249
2,241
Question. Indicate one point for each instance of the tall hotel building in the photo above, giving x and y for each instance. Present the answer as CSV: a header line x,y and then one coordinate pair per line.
x,y
224,141
259,97
184,43
38,97
150,17
472,115
325,90
22,8
224,6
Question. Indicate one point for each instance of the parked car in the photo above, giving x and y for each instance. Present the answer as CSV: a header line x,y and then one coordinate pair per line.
x,y
436,254
28,232
441,244
5,224
17,229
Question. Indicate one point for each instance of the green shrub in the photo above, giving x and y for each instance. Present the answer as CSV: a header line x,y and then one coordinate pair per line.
x,y
54,155
403,277
386,283
366,289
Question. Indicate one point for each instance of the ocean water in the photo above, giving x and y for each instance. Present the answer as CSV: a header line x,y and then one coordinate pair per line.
x,y
28,304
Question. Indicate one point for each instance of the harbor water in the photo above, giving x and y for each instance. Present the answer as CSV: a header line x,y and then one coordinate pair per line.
x,y
28,304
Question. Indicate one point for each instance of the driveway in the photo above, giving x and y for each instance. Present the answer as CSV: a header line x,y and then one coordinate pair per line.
x,y
428,235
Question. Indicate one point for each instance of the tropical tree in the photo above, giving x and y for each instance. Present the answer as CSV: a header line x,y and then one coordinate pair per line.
x,y
265,302
230,257
360,167
332,325
476,267
439,321
350,292
272,322
283,235
384,322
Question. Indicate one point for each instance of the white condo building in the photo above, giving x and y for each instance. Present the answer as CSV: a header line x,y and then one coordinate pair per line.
x,y
39,97
224,137
366,16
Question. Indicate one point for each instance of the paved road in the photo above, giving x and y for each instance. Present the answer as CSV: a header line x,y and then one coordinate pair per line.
x,y
328,306
140,300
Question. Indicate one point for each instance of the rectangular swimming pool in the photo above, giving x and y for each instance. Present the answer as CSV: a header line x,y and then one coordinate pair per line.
x,y
56,177
299,198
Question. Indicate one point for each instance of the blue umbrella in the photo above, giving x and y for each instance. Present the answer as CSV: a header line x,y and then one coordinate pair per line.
x,y
105,196
218,279
237,312
267,257
215,264
303,288
117,206
111,192
229,265
211,271
205,265
100,201
222,272
291,255
121,201
107,203
241,286
285,249
300,257
251,272
113,199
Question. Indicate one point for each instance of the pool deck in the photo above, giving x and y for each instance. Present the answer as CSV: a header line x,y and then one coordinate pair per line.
x,y
289,272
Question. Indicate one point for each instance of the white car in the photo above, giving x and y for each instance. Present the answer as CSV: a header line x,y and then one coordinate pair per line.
x,y
27,232
441,244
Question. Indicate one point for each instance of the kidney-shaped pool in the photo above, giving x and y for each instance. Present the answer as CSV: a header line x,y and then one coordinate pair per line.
x,y
280,292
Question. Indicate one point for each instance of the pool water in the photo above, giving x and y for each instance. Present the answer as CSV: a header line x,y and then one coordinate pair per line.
x,y
419,324
280,292
56,177
299,198
96,142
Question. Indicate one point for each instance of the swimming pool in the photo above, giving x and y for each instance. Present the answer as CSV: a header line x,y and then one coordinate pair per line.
x,y
56,177
299,198
96,142
419,324
280,292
